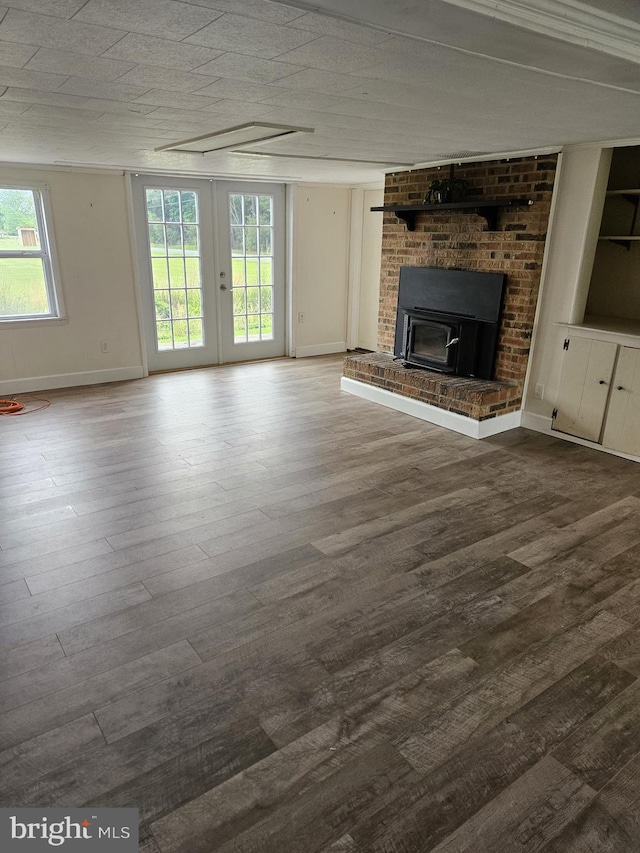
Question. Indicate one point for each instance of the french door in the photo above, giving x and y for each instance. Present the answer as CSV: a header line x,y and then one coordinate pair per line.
x,y
211,259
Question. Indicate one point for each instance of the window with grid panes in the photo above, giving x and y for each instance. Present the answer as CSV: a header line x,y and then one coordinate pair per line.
x,y
174,242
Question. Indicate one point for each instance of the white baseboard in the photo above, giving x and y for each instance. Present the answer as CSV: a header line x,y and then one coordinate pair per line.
x,y
69,380
542,423
321,349
538,423
432,414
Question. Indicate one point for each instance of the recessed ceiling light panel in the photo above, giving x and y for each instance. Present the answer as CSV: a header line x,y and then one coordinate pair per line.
x,y
326,158
234,137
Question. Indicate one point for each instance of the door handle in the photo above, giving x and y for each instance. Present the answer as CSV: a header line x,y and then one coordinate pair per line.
x,y
620,388
602,382
452,342
223,287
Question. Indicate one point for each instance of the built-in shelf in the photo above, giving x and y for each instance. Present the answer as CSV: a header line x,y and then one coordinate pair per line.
x,y
487,209
620,330
631,195
624,193
619,238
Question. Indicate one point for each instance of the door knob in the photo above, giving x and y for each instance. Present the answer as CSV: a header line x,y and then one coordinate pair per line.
x,y
602,382
620,388
223,287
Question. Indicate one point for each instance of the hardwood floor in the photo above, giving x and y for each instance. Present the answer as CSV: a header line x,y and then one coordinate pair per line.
x,y
275,617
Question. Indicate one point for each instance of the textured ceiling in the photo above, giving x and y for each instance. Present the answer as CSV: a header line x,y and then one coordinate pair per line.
x,y
105,82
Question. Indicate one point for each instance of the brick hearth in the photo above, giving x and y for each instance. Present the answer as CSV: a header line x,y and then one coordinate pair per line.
x,y
450,239
475,398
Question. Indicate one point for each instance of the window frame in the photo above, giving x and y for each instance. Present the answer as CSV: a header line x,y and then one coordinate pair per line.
x,y
46,253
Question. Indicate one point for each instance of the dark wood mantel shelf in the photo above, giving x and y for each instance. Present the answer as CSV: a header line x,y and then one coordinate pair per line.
x,y
487,209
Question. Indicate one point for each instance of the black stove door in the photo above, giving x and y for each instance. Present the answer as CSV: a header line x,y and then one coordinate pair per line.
x,y
431,343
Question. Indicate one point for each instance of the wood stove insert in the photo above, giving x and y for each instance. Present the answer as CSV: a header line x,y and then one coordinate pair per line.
x,y
448,320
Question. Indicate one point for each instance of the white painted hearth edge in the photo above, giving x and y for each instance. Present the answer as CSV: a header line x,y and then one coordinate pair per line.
x,y
432,414
70,380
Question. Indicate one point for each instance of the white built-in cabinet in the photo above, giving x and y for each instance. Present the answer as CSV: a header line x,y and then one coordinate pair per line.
x,y
622,424
599,395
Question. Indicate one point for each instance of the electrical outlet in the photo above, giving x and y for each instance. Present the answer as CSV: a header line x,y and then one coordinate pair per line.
x,y
300,317
105,346
539,392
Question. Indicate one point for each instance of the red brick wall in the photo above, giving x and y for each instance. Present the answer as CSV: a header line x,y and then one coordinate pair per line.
x,y
454,240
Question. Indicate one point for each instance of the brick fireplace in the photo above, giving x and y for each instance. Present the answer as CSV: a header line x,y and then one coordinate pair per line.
x,y
452,239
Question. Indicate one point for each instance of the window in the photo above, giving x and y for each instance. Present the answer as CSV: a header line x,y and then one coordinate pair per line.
x,y
174,242
251,218
27,290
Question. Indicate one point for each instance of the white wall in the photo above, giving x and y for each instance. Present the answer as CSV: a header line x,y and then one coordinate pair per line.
x,y
92,238
573,233
321,241
370,270
91,235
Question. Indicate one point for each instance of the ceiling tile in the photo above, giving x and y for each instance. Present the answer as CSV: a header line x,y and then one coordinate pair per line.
x,y
307,100
389,92
162,98
59,113
151,77
247,35
524,48
179,132
396,67
367,95
57,8
15,55
34,96
138,122
344,30
311,118
69,120
148,50
45,31
376,110
272,12
30,79
109,106
164,18
250,68
114,136
9,108
97,89
325,82
178,116
332,54
237,89
235,112
64,62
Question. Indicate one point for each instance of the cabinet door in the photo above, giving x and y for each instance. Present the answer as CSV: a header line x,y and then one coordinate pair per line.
x,y
584,387
622,428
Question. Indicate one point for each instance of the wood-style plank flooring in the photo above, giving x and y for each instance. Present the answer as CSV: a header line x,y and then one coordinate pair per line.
x,y
278,618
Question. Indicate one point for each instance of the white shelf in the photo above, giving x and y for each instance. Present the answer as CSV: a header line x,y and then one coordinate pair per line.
x,y
619,330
